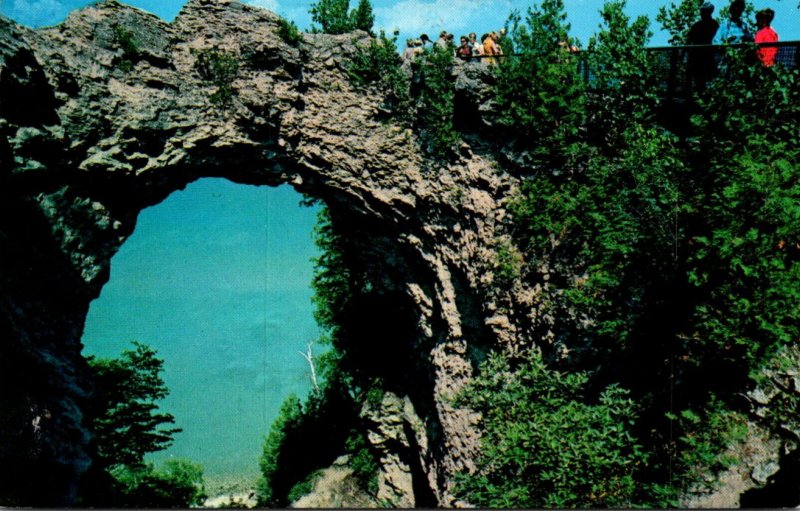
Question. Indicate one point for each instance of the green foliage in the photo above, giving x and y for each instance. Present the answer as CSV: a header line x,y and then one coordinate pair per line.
x,y
220,68
508,267
289,33
333,17
304,487
701,450
176,484
678,19
288,415
674,262
428,102
123,409
362,17
124,417
379,64
363,462
546,443
625,82
303,439
539,94
434,92
130,46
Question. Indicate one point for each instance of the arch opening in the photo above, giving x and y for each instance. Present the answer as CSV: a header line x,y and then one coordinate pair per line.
x,y
216,278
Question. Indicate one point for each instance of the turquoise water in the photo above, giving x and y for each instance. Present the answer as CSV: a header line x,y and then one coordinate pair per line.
x,y
217,279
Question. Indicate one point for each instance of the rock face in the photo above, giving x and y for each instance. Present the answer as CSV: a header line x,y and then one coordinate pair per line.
x,y
110,112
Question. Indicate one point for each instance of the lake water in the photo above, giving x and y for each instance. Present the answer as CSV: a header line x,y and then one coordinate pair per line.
x,y
217,279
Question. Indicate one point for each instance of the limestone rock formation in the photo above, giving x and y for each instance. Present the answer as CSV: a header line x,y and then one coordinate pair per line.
x,y
109,112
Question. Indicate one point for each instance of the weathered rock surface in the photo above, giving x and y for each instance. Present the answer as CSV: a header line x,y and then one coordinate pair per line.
x,y
336,487
92,133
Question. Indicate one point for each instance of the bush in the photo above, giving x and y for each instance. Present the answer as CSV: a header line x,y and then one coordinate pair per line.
x,y
434,93
220,68
379,64
130,46
547,443
289,33
539,93
176,484
671,261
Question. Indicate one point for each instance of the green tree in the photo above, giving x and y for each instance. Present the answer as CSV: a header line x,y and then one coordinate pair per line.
x,y
175,484
434,92
539,94
678,19
124,414
546,443
624,81
289,414
332,16
362,16
378,64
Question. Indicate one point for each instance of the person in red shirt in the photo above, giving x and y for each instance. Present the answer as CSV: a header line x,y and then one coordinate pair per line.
x,y
766,34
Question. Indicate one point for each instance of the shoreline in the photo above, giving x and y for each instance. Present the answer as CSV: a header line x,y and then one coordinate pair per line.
x,y
223,490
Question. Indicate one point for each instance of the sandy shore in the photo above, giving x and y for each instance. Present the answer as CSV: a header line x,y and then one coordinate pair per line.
x,y
226,491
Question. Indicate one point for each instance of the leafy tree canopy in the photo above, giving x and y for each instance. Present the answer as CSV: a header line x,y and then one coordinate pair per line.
x,y
125,416
335,17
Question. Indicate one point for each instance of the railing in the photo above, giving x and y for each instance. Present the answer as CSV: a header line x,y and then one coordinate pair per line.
x,y
679,66
682,69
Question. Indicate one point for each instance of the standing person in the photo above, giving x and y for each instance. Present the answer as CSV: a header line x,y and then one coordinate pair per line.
x,y
442,41
734,30
488,49
410,52
464,51
498,49
705,29
477,48
427,45
766,34
418,50
701,60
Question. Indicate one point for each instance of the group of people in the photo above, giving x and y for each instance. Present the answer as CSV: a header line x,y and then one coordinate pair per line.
x,y
734,30
486,50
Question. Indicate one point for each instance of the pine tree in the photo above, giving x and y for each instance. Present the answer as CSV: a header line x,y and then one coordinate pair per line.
x,y
362,17
124,410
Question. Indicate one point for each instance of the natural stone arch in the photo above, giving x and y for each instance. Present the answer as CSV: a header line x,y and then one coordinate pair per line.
x,y
87,145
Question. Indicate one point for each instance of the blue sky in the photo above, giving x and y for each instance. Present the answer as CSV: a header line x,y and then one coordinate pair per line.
x,y
412,17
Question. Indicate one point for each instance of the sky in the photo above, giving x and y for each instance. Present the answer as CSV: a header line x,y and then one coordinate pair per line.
x,y
412,17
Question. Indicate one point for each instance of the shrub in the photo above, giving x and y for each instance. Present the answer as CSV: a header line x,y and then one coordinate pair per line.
x,y
539,93
126,40
546,443
434,93
176,484
379,64
289,33
220,68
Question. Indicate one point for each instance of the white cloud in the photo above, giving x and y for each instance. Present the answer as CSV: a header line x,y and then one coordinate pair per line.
x,y
270,5
427,16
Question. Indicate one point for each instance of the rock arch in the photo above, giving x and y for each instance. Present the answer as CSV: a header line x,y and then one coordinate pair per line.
x,y
88,142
